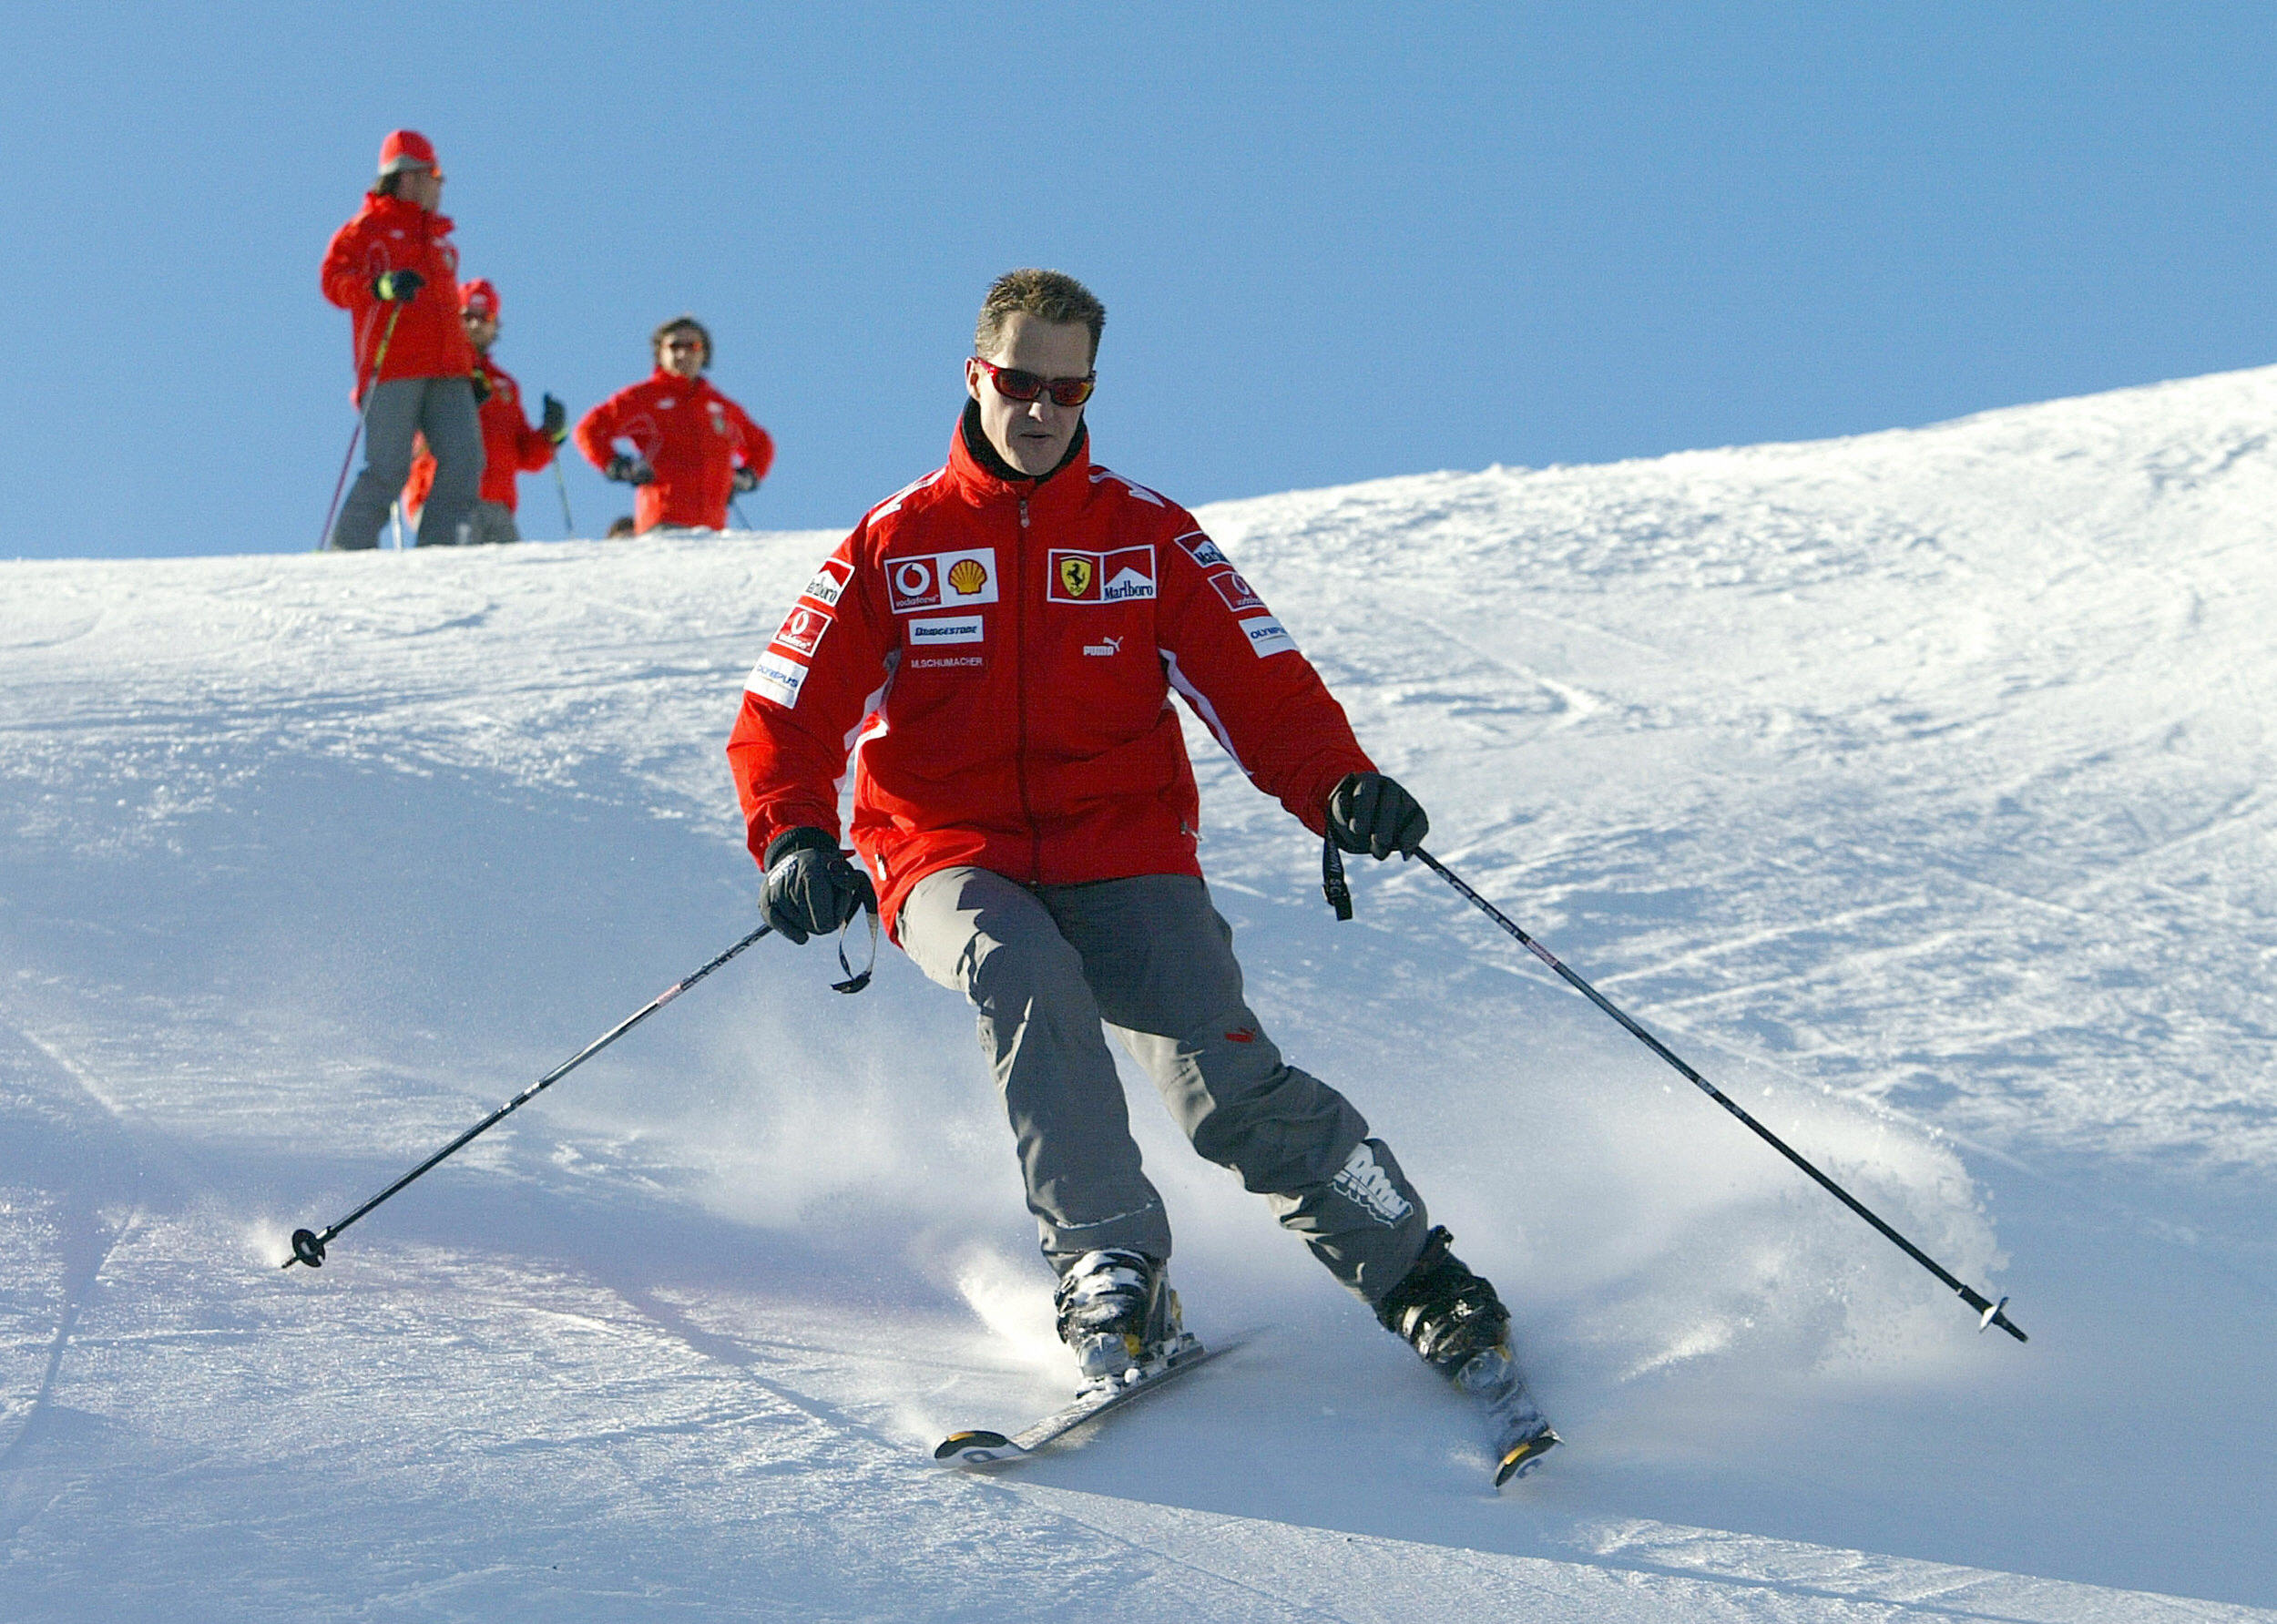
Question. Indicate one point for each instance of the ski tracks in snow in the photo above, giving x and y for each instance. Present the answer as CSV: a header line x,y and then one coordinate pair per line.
x,y
85,1174
1924,769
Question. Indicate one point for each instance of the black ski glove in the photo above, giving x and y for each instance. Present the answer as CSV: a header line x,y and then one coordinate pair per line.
x,y
554,424
395,287
746,482
1370,813
628,470
481,380
812,888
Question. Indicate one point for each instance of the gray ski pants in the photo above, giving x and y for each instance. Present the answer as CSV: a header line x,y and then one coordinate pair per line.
x,y
1150,957
444,410
489,522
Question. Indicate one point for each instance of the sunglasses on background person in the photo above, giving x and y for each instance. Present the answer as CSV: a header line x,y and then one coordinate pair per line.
x,y
1016,385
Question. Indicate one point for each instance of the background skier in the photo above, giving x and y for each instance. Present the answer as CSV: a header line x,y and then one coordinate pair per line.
x,y
510,445
692,448
395,269
1003,636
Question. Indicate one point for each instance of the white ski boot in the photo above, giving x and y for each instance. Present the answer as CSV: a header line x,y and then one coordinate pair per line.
x,y
1116,1313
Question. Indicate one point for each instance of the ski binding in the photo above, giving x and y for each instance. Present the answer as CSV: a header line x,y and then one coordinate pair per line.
x,y
980,1447
1523,1435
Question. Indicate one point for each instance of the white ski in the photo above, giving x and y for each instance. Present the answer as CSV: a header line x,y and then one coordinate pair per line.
x,y
1522,1432
980,1447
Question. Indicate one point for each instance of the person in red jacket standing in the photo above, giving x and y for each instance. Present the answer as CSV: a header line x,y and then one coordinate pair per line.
x,y
692,450
510,445
1000,641
395,269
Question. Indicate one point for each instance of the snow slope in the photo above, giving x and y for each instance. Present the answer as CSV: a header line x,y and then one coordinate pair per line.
x,y
1915,787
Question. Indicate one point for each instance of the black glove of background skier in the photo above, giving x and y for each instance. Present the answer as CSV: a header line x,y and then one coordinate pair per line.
x,y
746,482
554,424
628,470
812,888
1370,813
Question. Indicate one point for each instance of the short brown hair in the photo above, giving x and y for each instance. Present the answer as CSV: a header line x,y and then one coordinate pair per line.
x,y
678,324
1047,295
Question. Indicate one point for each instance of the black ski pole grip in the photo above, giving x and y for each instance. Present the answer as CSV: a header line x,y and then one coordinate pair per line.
x,y
1333,884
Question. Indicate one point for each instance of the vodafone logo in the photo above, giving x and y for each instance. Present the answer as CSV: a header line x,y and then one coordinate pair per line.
x,y
803,629
1239,594
941,580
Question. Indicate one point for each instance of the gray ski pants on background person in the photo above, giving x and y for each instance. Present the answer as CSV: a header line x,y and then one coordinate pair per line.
x,y
489,523
444,410
1149,957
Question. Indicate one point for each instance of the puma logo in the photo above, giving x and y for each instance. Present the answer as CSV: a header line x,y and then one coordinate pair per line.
x,y
1108,647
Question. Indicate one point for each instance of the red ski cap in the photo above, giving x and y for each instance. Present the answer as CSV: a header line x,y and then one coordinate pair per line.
x,y
478,298
406,149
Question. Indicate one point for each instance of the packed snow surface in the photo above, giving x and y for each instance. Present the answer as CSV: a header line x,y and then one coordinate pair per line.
x,y
1917,788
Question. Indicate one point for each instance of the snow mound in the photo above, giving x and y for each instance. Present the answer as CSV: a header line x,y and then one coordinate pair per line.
x,y
1914,787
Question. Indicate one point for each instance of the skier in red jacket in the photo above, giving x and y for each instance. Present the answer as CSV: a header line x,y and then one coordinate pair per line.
x,y
395,269
999,643
510,445
692,449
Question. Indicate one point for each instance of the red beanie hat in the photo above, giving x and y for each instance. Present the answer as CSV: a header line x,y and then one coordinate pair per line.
x,y
478,298
405,148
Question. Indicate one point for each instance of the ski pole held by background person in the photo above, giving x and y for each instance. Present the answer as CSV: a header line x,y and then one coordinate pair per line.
x,y
394,268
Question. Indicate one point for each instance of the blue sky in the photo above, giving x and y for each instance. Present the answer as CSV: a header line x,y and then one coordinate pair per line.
x,y
1335,241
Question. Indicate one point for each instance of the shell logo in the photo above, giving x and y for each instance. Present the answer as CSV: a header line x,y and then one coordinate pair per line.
x,y
967,576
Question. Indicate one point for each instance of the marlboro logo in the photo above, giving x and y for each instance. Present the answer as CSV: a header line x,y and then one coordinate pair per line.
x,y
1123,575
829,582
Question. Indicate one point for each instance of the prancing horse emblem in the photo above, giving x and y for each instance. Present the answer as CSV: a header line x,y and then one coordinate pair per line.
x,y
1075,575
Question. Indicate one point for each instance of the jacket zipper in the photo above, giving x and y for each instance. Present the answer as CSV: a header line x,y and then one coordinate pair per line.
x,y
1019,681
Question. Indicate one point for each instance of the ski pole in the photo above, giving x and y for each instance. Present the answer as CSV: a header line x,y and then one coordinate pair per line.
x,y
308,1245
1988,1312
379,359
568,524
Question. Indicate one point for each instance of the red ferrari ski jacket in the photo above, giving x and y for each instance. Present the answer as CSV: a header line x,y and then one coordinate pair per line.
x,y
1000,655
691,435
396,234
510,445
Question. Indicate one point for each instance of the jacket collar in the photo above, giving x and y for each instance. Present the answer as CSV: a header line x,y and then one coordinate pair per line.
x,y
408,212
981,475
699,385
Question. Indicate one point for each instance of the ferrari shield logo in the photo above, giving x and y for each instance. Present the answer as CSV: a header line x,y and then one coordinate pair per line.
x,y
1098,579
